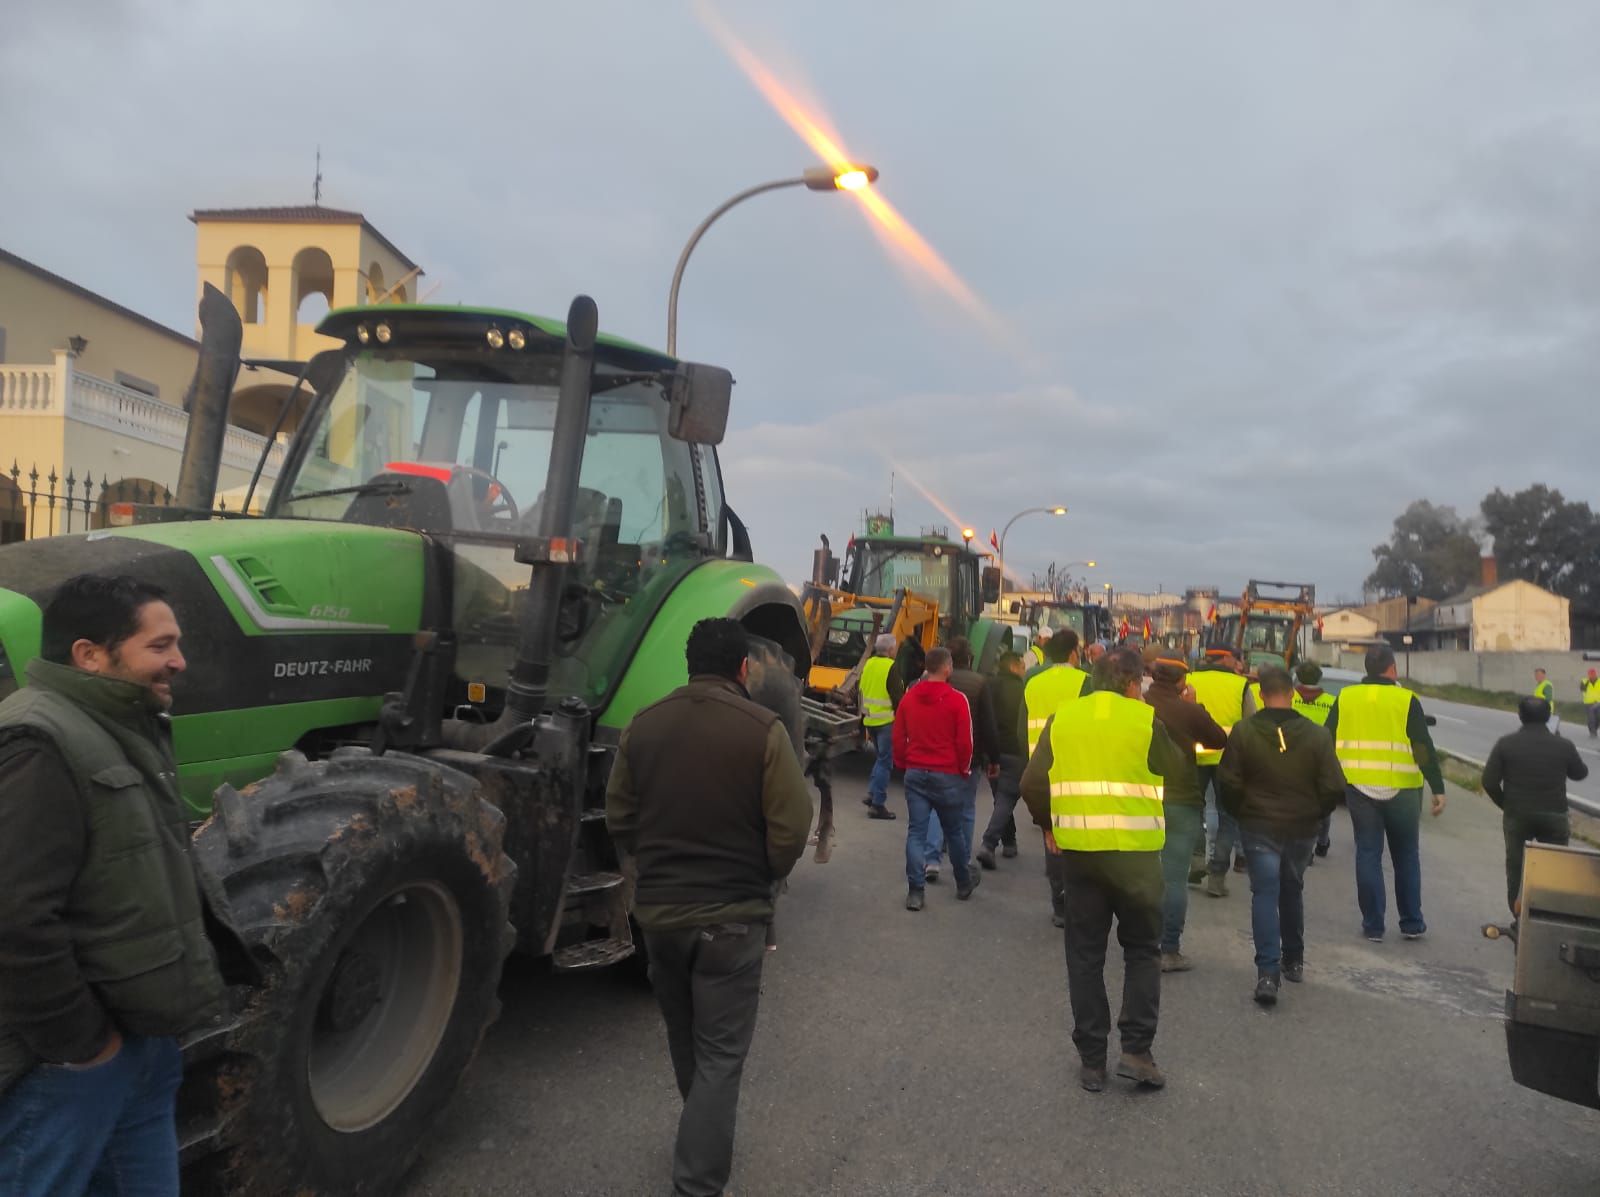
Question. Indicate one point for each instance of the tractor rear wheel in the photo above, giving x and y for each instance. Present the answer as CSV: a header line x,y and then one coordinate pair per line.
x,y
374,892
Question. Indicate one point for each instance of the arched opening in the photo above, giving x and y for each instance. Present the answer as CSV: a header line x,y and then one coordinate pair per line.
x,y
129,490
255,407
13,527
245,280
376,288
313,285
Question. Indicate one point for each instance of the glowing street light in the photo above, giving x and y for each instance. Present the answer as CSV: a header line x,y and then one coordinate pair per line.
x,y
1056,510
847,177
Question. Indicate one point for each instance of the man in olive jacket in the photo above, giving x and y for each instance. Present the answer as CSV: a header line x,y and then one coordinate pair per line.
x,y
104,957
709,800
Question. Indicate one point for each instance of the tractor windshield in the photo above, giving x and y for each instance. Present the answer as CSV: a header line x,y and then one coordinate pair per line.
x,y
881,569
456,444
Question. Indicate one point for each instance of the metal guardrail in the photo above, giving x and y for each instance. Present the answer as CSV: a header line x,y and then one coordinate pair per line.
x,y
1584,806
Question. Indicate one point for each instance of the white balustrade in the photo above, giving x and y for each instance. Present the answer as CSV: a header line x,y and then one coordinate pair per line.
x,y
26,389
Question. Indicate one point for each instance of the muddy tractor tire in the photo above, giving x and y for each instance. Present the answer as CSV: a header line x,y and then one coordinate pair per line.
x,y
373,892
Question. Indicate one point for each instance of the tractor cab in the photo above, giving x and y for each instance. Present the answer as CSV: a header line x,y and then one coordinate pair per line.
x,y
941,570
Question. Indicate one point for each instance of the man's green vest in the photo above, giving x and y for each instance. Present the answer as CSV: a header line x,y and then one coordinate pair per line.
x,y
1373,746
1591,692
1317,709
134,912
1221,692
1045,693
876,706
1103,796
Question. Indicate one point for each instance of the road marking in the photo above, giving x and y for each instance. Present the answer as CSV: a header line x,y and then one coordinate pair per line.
x,y
1451,718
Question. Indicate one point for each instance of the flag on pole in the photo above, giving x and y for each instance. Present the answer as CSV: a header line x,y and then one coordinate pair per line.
x,y
1149,633
1122,632
994,541
1211,615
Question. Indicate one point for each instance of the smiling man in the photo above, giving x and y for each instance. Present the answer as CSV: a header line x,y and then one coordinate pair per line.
x,y
104,958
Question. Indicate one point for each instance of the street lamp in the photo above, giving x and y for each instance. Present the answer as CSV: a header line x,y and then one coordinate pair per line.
x,y
815,178
1056,510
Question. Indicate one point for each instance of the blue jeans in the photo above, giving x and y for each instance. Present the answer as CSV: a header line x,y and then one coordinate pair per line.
x,y
1277,867
1399,820
883,745
1185,826
969,815
106,1131
941,796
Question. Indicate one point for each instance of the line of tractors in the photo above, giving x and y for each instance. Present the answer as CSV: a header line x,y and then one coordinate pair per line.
x,y
489,539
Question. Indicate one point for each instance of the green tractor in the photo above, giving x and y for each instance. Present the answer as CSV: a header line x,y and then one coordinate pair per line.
x,y
485,550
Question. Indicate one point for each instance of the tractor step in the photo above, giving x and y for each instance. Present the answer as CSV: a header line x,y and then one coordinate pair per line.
x,y
581,885
592,953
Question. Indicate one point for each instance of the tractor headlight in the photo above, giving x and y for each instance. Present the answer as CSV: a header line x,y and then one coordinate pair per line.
x,y
517,339
496,338
383,333
363,334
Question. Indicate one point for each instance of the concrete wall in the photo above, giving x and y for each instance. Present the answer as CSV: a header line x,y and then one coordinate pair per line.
x,y
1484,671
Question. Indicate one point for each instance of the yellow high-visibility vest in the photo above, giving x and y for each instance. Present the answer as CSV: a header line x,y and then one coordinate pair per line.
x,y
1103,796
1046,692
876,707
1221,692
1317,709
1545,690
1371,741
1591,692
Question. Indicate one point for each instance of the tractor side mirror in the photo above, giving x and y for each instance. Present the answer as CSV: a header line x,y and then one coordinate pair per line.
x,y
699,398
991,583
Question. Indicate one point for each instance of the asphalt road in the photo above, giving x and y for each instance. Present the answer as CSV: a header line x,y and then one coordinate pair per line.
x,y
1470,732
928,1053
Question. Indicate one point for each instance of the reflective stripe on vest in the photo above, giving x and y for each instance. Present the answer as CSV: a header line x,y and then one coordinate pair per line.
x,y
1103,796
1221,692
877,708
1045,694
1372,745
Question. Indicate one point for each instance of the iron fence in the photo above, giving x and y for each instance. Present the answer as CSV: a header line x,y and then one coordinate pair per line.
x,y
34,505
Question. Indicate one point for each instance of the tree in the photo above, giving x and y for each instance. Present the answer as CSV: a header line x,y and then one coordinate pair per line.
x,y
1432,553
1541,538
1057,583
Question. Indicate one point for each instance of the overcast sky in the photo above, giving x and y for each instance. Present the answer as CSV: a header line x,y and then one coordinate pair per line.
x,y
1274,269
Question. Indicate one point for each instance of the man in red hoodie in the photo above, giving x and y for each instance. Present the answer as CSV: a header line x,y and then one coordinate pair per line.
x,y
933,744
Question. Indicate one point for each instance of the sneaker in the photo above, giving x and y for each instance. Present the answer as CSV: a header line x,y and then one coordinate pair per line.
x,y
1413,934
1057,919
1267,990
1373,936
914,899
1009,851
1217,885
930,872
1091,1078
1142,1070
1294,970
1175,962
985,857
974,879
879,812
1197,875
1239,865
1322,849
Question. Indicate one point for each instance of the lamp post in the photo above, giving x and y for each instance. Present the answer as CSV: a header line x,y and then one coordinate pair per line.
x,y
1086,564
1056,510
815,178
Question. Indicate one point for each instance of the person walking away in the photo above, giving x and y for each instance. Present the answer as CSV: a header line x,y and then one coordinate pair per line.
x,y
1279,777
985,747
908,667
1094,787
1312,701
933,744
1036,659
877,717
1590,687
1005,691
104,955
1526,776
708,800
1381,737
1544,688
1224,692
1190,726
1061,681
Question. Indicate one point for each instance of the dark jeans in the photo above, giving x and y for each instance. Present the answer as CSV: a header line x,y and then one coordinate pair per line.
x,y
1100,885
1007,791
883,765
1399,821
1324,830
1227,833
969,815
707,982
107,1131
1592,710
942,796
1519,829
1186,825
1277,899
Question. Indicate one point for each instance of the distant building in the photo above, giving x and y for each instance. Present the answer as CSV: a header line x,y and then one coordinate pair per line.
x,y
1513,616
1347,624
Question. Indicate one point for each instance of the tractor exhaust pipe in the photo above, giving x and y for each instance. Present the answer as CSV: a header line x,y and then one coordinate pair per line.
x,y
206,400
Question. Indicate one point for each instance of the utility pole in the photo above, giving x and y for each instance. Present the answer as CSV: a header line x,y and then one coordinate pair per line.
x,y
316,183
